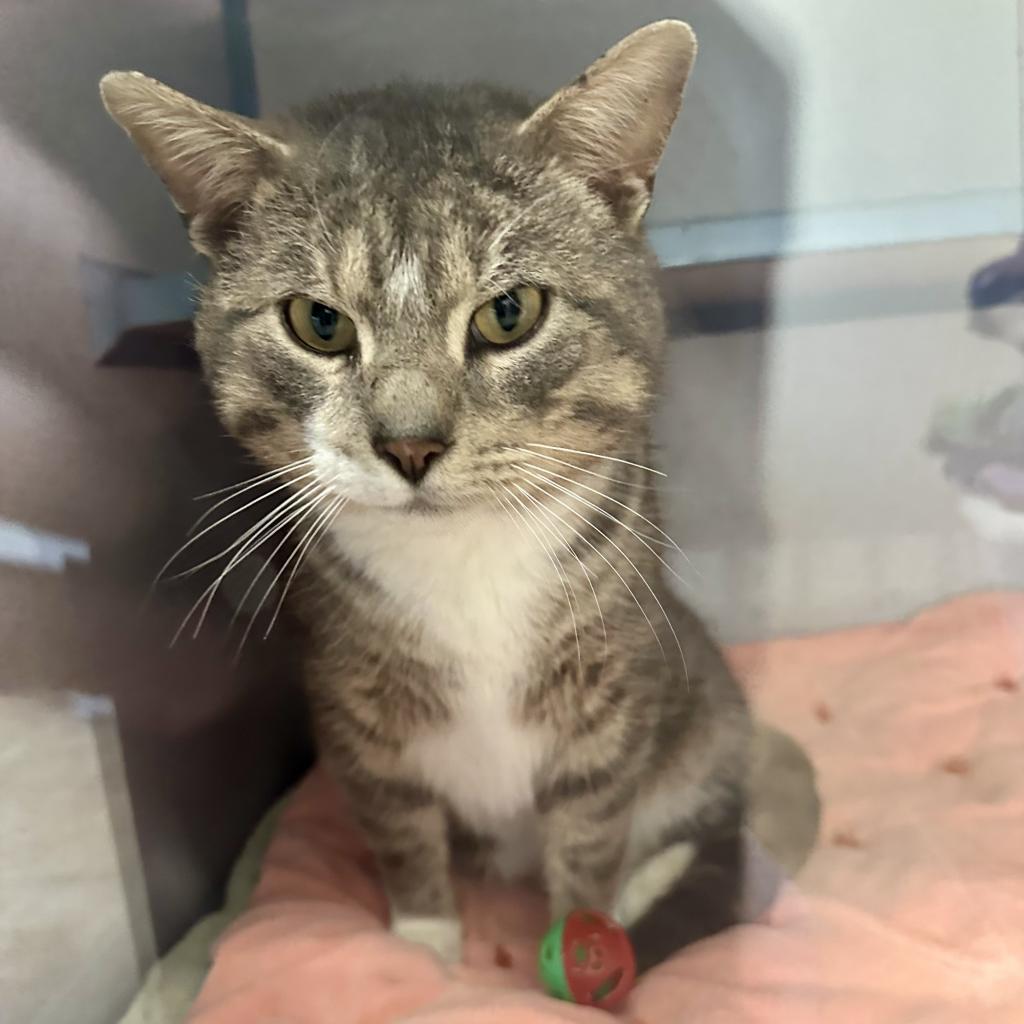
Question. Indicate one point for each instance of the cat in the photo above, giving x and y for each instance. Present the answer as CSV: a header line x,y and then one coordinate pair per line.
x,y
433,312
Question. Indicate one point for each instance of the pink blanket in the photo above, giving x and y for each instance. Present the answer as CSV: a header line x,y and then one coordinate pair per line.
x,y
911,909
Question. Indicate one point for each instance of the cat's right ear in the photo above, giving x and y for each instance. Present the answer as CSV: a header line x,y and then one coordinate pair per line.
x,y
210,160
611,125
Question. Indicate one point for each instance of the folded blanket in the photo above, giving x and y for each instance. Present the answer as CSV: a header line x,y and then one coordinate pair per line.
x,y
172,983
911,910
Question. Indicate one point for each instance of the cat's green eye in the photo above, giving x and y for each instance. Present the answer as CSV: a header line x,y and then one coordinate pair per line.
x,y
509,317
320,327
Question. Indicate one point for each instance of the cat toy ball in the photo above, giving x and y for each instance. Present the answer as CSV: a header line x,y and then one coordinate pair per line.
x,y
587,958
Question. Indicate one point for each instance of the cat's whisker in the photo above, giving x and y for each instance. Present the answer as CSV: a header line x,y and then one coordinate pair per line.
x,y
667,540
267,563
615,519
202,533
600,554
338,506
269,474
231,497
503,504
295,517
594,455
657,542
205,599
587,575
631,564
263,522
557,541
580,469
558,570
313,534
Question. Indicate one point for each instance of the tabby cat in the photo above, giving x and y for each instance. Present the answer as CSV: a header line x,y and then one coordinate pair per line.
x,y
433,313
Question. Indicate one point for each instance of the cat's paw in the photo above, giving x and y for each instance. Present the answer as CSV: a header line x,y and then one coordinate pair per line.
x,y
441,934
652,880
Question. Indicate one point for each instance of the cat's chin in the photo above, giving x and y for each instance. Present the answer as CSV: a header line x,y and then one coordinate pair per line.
x,y
419,506
416,505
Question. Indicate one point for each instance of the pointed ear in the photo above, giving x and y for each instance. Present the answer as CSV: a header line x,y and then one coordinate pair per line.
x,y
611,124
210,160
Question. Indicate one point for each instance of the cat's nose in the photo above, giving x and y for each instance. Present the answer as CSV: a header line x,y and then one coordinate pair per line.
x,y
411,456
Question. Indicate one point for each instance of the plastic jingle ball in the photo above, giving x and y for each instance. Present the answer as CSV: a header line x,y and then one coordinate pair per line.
x,y
587,958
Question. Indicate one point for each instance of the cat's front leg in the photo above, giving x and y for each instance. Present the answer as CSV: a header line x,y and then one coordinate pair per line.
x,y
406,829
585,826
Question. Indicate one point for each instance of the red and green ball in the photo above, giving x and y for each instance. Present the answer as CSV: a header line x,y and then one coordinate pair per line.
x,y
587,958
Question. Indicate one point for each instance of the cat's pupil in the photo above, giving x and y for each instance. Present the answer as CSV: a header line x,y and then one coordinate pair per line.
x,y
324,320
507,311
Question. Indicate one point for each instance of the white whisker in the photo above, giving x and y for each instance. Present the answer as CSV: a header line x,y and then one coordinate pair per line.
x,y
556,538
586,572
295,517
580,469
632,565
312,534
558,571
264,521
600,554
253,479
508,510
614,519
593,490
267,530
231,497
202,533
267,563
660,543
594,455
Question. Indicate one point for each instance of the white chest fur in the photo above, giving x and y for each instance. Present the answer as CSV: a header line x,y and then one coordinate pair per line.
x,y
479,590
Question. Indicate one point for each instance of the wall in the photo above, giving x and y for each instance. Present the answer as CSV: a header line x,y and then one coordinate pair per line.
x,y
795,105
800,480
103,730
809,127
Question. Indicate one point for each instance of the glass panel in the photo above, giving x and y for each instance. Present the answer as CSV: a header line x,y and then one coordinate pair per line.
x,y
837,223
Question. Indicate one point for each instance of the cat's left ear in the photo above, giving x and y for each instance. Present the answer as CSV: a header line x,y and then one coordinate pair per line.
x,y
611,124
211,161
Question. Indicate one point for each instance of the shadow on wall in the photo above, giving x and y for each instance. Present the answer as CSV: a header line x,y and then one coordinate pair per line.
x,y
110,458
54,53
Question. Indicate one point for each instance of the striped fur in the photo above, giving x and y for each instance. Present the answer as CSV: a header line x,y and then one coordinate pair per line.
x,y
499,675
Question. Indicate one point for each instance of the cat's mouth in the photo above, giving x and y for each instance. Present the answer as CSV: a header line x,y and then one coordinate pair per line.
x,y
421,505
416,503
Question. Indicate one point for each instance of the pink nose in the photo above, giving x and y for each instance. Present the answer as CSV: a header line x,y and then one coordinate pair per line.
x,y
411,456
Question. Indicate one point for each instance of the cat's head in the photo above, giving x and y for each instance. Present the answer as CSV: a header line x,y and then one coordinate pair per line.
x,y
414,286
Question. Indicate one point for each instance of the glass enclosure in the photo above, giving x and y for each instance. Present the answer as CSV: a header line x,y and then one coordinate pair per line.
x,y
837,220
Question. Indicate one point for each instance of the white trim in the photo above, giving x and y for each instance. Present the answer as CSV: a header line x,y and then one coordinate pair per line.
x,y
928,219
25,546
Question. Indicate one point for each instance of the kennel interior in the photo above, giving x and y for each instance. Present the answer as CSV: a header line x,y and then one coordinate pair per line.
x,y
836,219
